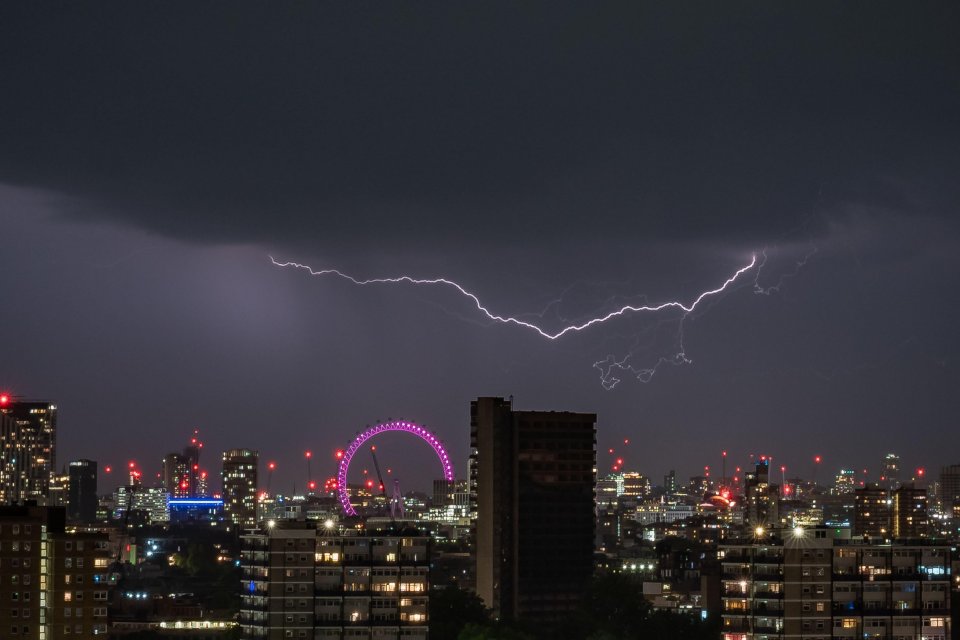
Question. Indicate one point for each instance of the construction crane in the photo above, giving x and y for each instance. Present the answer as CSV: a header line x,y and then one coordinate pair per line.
x,y
396,503
376,465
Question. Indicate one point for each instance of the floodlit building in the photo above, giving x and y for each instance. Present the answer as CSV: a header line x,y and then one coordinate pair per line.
x,y
299,581
533,476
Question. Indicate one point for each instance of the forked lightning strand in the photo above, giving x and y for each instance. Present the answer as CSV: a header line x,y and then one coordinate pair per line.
x,y
625,310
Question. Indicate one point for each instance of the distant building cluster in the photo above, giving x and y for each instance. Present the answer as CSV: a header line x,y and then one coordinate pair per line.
x,y
527,526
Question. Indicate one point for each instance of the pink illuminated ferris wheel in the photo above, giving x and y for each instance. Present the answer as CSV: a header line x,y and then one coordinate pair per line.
x,y
399,425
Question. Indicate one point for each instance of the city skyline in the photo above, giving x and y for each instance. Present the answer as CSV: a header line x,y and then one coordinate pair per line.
x,y
288,474
558,161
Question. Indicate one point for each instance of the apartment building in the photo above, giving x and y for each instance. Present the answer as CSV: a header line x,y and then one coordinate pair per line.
x,y
301,582
808,583
54,582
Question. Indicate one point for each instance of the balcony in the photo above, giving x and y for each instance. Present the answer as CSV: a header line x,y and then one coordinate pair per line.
x,y
766,629
735,624
769,576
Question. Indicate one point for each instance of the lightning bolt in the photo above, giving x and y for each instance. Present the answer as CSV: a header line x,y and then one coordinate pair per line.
x,y
797,266
686,309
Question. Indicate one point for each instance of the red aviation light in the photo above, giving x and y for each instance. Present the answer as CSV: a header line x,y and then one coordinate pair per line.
x,y
4,399
307,454
817,459
272,466
339,454
312,485
132,464
107,469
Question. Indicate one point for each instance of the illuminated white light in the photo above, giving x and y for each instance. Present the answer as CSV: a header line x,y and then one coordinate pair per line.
x,y
624,310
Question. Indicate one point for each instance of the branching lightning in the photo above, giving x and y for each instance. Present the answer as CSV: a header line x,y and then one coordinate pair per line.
x,y
775,288
611,363
686,309
612,366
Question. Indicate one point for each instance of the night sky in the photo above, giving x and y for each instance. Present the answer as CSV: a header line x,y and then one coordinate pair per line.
x,y
559,160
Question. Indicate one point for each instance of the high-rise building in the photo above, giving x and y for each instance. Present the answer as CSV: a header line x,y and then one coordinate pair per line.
x,y
636,485
298,582
882,513
949,488
873,512
533,487
150,502
844,483
762,497
176,475
55,583
909,517
58,493
191,458
28,449
240,487
670,483
890,471
82,501
804,583
606,492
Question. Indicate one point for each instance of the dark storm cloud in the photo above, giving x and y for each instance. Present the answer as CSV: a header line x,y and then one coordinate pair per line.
x,y
485,121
